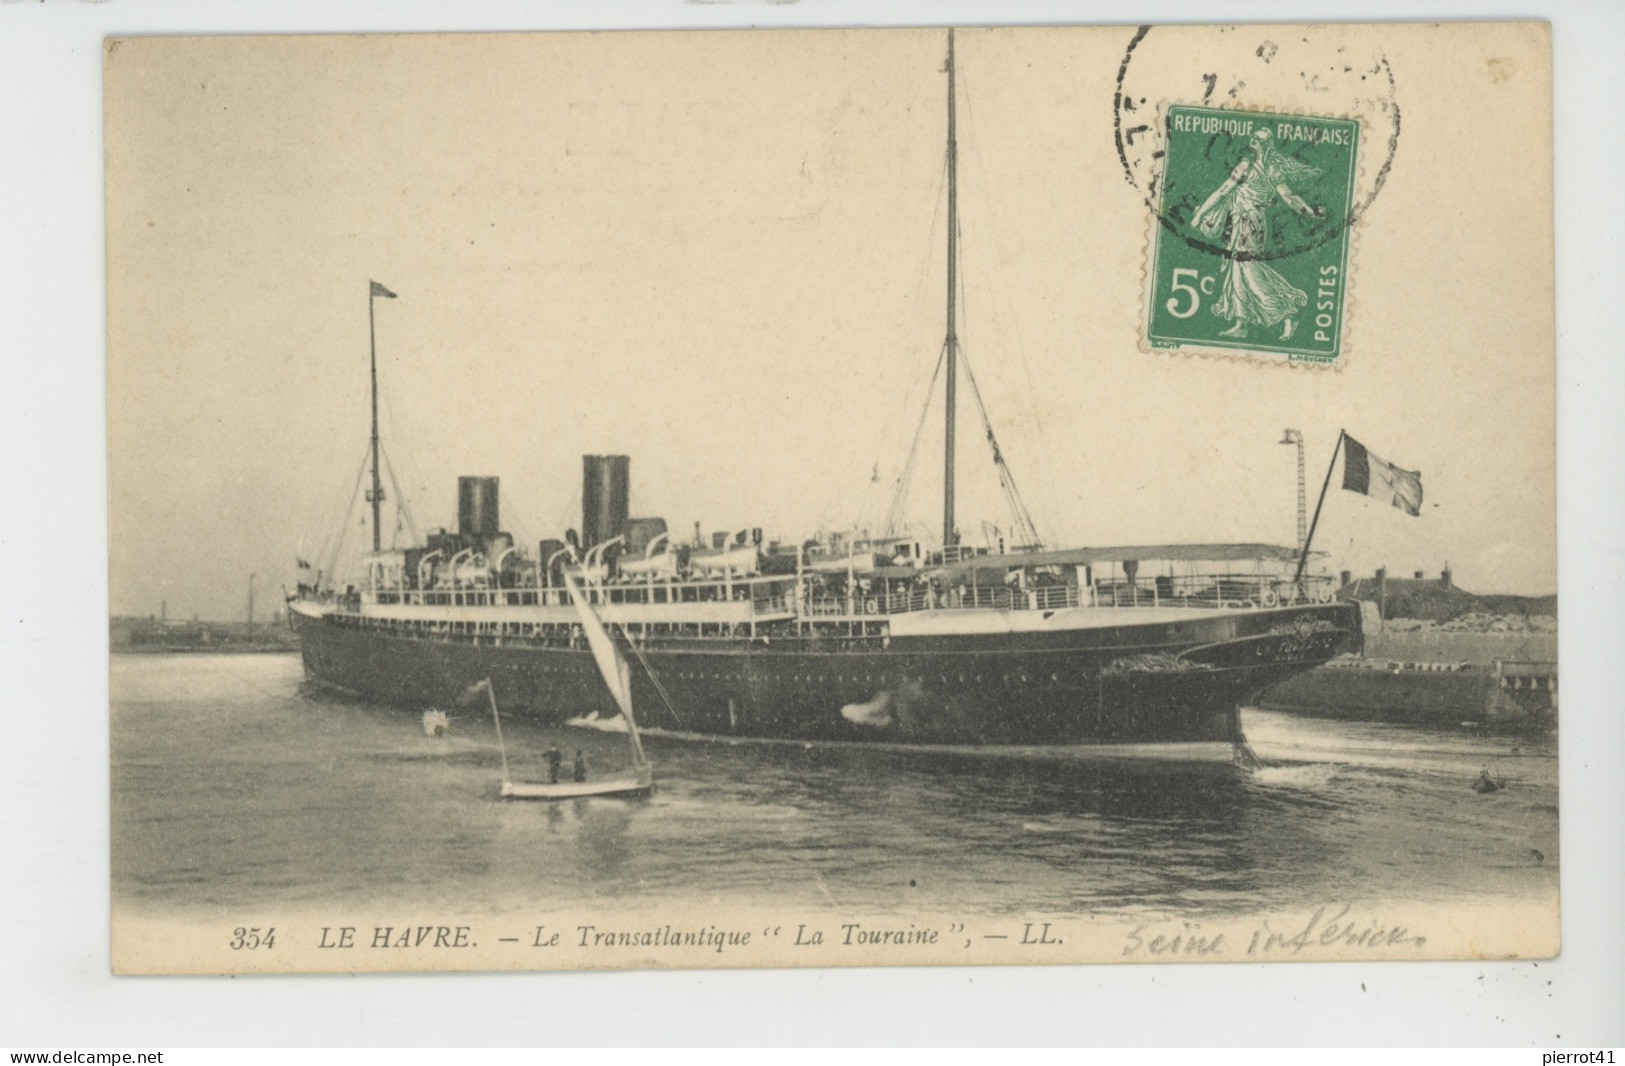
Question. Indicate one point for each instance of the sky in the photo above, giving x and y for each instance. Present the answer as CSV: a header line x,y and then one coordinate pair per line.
x,y
722,254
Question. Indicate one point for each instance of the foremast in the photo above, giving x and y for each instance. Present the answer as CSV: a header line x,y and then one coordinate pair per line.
x,y
376,495
951,340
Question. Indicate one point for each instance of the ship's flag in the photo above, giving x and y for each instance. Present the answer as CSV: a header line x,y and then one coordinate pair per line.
x,y
1378,478
379,290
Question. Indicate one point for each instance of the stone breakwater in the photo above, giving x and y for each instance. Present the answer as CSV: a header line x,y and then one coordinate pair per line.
x,y
1494,679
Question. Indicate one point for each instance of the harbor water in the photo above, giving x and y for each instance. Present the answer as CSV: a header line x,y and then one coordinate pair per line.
x,y
238,787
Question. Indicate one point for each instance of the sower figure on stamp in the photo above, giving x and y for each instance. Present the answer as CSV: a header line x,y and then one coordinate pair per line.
x,y
1253,290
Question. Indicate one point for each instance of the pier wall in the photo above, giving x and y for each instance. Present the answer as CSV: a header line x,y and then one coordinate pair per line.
x,y
1429,645
1428,677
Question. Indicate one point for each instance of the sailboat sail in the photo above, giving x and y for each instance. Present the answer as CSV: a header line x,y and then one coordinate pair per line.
x,y
616,673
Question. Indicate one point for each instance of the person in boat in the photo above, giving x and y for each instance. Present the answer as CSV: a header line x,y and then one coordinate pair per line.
x,y
581,765
555,759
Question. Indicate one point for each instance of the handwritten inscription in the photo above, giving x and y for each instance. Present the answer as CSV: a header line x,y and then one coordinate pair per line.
x,y
1188,940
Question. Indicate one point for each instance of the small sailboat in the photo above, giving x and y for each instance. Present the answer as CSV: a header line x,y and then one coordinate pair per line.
x,y
618,676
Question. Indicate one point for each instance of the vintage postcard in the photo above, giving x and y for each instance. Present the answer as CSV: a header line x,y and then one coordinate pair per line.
x,y
832,497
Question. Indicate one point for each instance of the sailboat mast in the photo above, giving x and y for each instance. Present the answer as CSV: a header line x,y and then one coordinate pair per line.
x,y
952,340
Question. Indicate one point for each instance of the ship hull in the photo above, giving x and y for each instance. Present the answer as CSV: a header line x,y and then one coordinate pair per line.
x,y
1170,683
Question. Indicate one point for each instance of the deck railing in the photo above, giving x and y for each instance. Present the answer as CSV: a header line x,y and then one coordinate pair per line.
x,y
779,595
767,595
1196,591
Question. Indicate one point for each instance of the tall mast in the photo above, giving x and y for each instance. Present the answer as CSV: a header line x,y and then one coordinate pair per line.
x,y
952,340
377,494
375,290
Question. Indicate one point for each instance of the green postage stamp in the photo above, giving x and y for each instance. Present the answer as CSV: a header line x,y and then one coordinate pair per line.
x,y
1251,241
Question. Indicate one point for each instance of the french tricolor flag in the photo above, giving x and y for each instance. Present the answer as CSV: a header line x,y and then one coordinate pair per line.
x,y
1378,478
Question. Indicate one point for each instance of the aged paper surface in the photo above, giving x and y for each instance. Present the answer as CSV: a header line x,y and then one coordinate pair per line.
x,y
722,255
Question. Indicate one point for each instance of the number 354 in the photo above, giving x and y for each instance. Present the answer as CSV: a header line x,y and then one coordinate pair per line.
x,y
1204,282
250,938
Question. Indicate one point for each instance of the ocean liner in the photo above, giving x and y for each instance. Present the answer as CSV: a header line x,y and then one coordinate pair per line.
x,y
878,640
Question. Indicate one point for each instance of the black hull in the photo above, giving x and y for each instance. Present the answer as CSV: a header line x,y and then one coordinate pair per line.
x,y
1147,683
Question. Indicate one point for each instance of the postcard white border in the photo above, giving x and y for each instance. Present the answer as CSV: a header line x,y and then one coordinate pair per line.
x,y
55,988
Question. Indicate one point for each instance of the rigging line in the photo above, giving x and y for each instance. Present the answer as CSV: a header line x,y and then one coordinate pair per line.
x,y
327,534
344,527
926,260
320,508
329,560
651,505
526,539
518,529
341,516
925,264
1023,359
647,669
836,505
402,508
563,523
897,512
905,479
1018,508
316,510
414,472
905,403
1013,494
930,257
884,446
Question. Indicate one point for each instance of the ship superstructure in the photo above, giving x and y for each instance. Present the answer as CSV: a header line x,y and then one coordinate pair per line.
x,y
848,639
